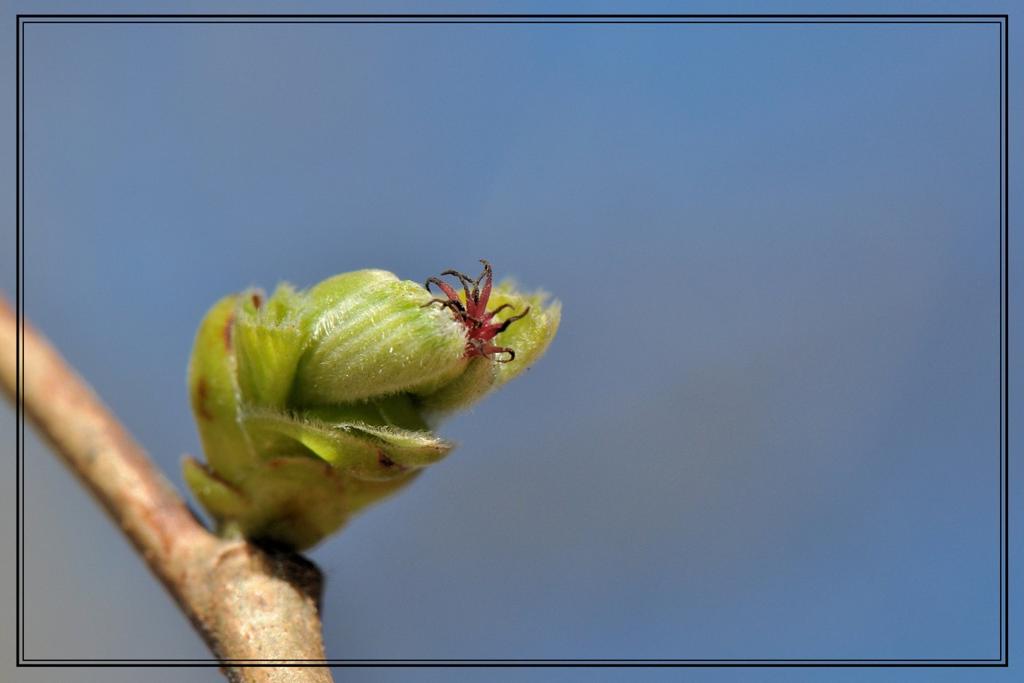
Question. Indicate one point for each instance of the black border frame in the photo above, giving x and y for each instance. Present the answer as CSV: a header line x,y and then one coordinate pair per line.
x,y
1002,20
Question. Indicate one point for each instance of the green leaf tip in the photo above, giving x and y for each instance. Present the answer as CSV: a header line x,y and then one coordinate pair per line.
x,y
312,405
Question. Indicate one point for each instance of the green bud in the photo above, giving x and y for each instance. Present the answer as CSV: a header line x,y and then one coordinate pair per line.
x,y
312,405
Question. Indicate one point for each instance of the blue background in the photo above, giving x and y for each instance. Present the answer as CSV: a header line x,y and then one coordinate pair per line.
x,y
768,428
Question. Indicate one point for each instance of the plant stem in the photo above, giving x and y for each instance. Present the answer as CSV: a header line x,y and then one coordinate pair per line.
x,y
247,603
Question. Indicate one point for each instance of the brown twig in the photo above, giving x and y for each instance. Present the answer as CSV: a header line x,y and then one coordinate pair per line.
x,y
247,603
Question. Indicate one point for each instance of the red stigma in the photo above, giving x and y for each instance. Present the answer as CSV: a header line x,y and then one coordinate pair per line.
x,y
480,325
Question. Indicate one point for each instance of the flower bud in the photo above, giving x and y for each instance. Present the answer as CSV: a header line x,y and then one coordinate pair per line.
x,y
312,405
